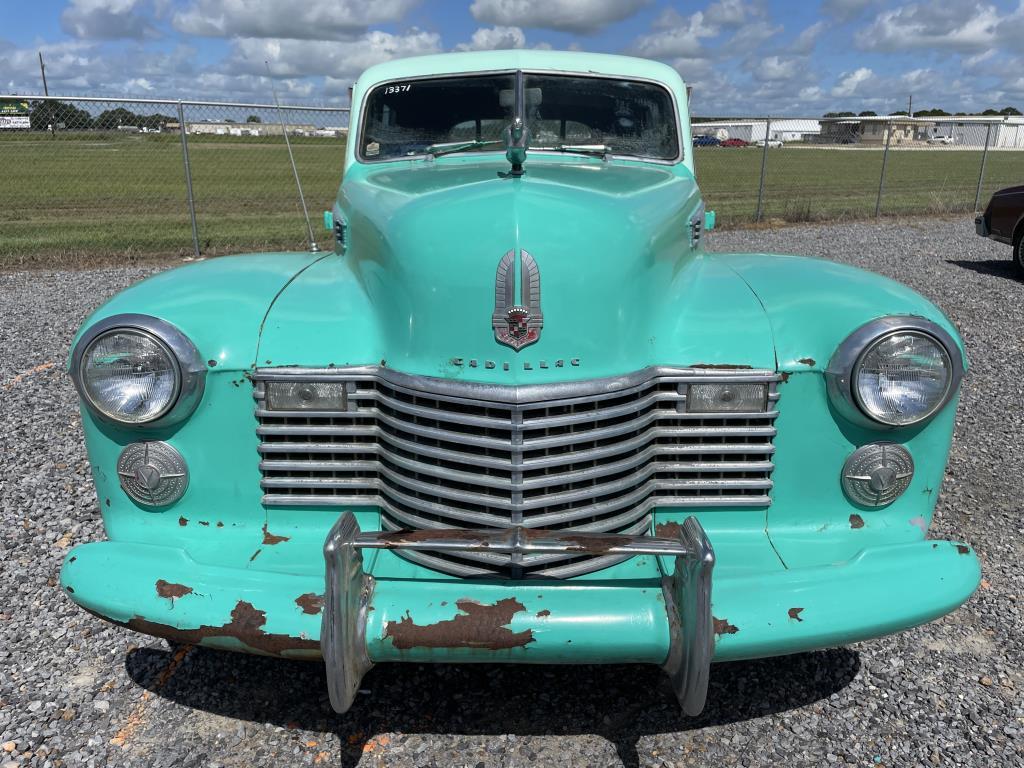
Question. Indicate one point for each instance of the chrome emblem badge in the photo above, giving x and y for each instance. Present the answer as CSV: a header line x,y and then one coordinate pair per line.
x,y
517,325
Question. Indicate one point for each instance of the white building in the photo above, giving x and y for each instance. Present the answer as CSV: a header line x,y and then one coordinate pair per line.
x,y
782,129
1002,132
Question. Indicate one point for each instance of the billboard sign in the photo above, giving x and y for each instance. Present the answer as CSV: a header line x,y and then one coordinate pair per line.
x,y
14,113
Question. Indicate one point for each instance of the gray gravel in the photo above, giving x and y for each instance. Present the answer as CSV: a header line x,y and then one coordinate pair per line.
x,y
76,691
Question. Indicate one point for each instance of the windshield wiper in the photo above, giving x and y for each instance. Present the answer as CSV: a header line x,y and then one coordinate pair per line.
x,y
582,149
458,146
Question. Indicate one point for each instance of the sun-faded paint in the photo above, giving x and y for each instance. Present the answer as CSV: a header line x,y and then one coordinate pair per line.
x,y
622,289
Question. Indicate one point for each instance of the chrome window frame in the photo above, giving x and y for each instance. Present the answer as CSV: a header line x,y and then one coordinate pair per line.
x,y
680,153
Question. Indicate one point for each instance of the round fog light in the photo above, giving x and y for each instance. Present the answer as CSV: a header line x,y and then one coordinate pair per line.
x,y
877,474
153,474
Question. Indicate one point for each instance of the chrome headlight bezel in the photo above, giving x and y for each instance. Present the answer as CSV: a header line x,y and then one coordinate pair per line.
x,y
189,368
841,374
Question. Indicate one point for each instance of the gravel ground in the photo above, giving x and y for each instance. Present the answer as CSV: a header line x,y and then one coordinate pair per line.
x,y
77,691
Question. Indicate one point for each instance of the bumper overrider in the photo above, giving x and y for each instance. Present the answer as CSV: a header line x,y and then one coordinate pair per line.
x,y
687,598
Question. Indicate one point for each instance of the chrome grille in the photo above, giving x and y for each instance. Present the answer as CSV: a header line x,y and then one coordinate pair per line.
x,y
596,455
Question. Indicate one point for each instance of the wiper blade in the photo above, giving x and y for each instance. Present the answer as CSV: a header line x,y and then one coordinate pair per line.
x,y
457,146
583,149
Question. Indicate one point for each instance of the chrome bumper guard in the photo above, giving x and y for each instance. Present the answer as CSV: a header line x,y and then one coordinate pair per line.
x,y
687,592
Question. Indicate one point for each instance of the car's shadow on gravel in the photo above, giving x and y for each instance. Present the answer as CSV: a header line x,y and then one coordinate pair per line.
x,y
996,267
618,703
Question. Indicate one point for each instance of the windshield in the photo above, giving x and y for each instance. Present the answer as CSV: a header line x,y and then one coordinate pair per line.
x,y
418,117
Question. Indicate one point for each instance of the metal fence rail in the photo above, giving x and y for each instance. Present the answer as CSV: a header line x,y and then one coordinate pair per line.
x,y
119,176
88,176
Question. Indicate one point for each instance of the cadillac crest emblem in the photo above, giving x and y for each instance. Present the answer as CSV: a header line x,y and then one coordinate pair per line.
x,y
517,325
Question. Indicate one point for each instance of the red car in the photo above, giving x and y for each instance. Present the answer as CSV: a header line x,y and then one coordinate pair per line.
x,y
735,143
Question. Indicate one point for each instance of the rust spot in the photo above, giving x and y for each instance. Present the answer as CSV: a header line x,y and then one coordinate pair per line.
x,y
478,626
246,626
668,530
785,376
542,614
220,524
108,501
398,538
255,555
170,590
310,603
182,521
806,361
723,366
591,545
212,363
205,522
794,613
723,627
856,521
270,539
963,549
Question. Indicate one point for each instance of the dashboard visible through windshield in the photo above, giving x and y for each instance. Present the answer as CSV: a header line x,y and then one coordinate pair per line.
x,y
470,113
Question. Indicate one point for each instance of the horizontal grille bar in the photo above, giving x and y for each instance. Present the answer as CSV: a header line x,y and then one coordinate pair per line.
x,y
596,455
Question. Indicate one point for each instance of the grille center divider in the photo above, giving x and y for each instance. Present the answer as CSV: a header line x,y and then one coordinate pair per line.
x,y
596,455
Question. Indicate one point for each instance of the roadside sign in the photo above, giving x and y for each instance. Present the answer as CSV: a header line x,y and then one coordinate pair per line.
x,y
14,113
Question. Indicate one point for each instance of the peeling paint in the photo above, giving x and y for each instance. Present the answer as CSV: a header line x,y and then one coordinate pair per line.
x,y
171,590
794,613
856,521
785,376
270,539
246,626
963,549
478,626
542,614
182,521
205,523
668,530
723,627
809,361
255,555
310,603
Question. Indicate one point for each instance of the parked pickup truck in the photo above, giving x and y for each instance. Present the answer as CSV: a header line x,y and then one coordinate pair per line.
x,y
1003,221
518,413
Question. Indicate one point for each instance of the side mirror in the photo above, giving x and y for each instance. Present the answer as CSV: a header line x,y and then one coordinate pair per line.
x,y
709,220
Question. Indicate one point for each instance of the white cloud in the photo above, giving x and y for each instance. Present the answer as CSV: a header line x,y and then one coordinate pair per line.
x,y
493,39
772,68
106,20
750,36
951,25
679,41
290,58
731,13
846,9
807,38
581,16
850,81
306,20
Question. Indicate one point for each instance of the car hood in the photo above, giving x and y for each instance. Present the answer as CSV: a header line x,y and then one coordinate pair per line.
x,y
620,287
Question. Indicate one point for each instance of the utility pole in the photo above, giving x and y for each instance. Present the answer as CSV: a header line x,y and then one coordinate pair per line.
x,y
42,71
910,106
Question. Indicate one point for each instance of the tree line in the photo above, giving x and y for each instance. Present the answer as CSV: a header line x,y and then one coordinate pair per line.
x,y
60,115
1004,112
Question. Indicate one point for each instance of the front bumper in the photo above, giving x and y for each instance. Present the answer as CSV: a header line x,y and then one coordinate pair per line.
x,y
667,621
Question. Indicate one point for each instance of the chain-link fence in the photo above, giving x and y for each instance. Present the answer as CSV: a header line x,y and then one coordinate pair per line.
x,y
109,176
807,169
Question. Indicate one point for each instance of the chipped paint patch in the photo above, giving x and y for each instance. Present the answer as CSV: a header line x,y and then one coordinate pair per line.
x,y
723,627
920,522
270,539
668,530
478,626
856,521
794,613
542,614
809,361
171,590
963,549
182,521
310,603
245,626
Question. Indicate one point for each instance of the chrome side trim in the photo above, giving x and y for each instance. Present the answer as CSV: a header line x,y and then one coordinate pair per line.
x,y
190,367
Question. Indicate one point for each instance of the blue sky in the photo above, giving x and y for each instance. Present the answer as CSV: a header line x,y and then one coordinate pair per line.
x,y
741,56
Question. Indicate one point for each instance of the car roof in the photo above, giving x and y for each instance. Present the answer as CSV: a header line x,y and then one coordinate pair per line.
x,y
489,61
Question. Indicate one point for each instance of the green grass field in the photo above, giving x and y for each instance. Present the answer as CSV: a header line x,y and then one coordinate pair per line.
x,y
83,197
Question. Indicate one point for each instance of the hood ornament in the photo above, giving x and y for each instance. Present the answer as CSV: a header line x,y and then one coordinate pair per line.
x,y
517,133
517,325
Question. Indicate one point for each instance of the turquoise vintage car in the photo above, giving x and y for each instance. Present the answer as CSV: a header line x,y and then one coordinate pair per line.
x,y
518,413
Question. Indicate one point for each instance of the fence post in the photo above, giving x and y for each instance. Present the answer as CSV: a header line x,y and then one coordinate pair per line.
x,y
981,175
188,178
764,166
885,160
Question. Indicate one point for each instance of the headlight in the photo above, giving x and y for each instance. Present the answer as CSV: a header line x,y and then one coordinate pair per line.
x,y
138,370
896,371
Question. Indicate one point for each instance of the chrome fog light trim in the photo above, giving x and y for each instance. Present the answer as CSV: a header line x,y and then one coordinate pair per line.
x,y
152,473
877,474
